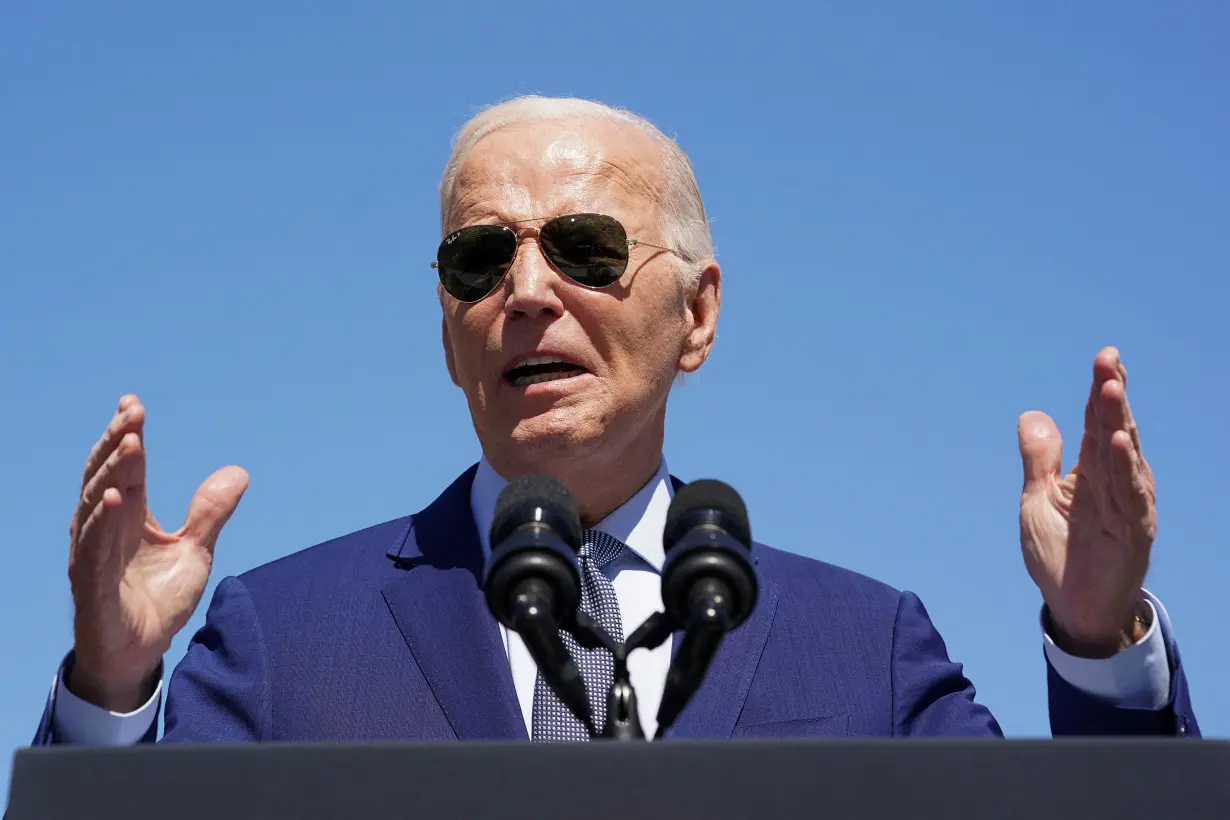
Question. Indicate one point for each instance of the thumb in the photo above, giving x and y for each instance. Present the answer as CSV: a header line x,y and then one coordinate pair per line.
x,y
212,505
1041,447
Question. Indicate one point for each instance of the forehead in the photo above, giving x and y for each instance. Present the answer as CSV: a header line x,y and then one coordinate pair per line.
x,y
552,167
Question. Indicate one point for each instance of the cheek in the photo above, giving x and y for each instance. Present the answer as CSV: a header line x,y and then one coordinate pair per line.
x,y
652,346
472,333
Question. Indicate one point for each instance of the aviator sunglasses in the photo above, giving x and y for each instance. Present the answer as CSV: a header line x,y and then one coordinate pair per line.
x,y
590,249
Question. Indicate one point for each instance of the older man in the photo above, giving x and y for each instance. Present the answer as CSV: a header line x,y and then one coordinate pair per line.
x,y
577,281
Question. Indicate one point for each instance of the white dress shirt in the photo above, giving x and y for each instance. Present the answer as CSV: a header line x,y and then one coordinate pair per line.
x,y
1136,678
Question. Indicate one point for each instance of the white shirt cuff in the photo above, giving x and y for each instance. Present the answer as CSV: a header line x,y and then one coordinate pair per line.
x,y
79,722
1136,678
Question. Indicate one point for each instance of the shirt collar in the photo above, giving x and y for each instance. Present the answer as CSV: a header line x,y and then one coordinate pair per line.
x,y
638,522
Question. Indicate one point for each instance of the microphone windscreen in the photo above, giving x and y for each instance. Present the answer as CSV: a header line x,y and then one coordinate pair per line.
x,y
700,499
536,498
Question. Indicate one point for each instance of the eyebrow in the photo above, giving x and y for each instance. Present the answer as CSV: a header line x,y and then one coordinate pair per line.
x,y
459,208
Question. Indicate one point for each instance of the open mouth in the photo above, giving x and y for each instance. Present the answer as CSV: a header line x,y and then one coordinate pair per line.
x,y
542,369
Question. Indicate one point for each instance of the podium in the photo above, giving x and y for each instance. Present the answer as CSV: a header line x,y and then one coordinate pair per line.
x,y
749,780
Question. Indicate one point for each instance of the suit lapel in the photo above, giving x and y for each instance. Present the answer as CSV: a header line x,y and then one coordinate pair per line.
x,y
715,708
437,602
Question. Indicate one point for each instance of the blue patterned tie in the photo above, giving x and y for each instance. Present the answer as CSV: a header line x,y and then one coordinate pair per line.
x,y
552,722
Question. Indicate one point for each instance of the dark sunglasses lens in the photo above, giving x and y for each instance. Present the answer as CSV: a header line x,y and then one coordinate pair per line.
x,y
590,249
473,260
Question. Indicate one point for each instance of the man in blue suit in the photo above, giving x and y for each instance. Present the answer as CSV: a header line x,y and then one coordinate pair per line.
x,y
577,281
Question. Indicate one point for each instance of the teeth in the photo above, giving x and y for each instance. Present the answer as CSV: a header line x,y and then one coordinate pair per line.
x,y
543,360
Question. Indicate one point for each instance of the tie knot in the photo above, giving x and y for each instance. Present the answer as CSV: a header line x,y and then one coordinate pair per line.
x,y
599,548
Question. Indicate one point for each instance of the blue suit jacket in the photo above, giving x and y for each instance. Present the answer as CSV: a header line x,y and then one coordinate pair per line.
x,y
340,643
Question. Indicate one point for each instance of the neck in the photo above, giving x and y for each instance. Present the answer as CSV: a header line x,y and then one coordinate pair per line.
x,y
600,480
596,499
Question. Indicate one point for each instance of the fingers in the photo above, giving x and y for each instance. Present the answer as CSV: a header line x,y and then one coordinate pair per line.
x,y
1041,447
1113,413
96,517
120,477
213,504
1131,479
94,531
1109,397
1092,465
1116,414
1115,458
1107,365
123,472
129,418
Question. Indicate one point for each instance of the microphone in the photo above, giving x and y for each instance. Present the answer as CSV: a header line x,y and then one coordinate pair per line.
x,y
532,583
708,584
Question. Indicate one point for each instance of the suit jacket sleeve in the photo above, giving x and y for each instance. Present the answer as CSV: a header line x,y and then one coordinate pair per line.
x,y
1076,712
220,691
931,697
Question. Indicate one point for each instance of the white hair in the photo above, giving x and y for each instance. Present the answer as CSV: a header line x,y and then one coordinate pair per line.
x,y
685,227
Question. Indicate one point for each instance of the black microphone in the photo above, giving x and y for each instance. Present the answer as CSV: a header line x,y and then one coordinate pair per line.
x,y
708,584
532,583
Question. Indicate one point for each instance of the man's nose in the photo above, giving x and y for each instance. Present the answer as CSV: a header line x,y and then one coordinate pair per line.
x,y
533,285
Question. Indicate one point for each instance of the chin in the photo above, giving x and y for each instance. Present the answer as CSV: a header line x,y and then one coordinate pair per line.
x,y
540,434
549,441
559,435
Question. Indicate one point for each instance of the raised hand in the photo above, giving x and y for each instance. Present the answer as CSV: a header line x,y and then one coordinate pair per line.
x,y
1086,536
135,585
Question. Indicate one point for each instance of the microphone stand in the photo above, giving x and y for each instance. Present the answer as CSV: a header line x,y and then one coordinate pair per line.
x,y
701,639
623,722
622,718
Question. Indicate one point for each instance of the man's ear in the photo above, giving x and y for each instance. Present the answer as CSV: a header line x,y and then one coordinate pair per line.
x,y
449,361
704,302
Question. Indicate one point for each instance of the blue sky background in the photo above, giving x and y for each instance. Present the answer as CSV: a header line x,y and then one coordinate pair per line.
x,y
929,220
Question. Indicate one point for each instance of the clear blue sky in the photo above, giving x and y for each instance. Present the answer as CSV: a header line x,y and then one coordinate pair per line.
x,y
929,221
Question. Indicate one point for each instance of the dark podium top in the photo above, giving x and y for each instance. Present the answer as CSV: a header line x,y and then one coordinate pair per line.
x,y
749,780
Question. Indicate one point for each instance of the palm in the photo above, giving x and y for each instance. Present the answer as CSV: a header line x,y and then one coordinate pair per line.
x,y
1082,566
1086,536
161,584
